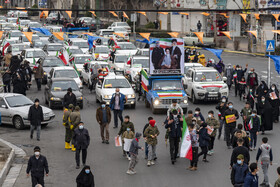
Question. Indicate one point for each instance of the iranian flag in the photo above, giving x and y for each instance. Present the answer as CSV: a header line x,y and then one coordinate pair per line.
x,y
144,80
250,125
235,75
65,56
186,146
170,94
5,46
76,69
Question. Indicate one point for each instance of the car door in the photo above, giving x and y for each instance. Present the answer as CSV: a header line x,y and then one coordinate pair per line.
x,y
6,116
47,91
189,76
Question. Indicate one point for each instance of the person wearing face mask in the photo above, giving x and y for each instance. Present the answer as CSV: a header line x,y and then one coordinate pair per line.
x,y
266,113
229,75
174,106
127,138
81,141
74,120
103,118
35,116
252,178
261,91
117,105
273,94
246,113
239,172
126,124
194,141
174,125
38,166
254,128
214,124
85,178
69,98
238,74
222,107
198,116
231,115
242,88
38,74
252,80
203,140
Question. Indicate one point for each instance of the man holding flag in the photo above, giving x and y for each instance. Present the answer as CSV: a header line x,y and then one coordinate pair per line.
x,y
186,146
254,128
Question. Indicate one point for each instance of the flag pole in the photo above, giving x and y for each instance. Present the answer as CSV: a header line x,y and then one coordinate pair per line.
x,y
269,74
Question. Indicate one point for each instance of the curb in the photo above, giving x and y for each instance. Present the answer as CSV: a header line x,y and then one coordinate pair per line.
x,y
7,165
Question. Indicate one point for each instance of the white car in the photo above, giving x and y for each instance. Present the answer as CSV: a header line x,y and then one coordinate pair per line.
x,y
136,64
15,35
54,28
24,22
81,43
104,32
34,25
101,52
80,60
23,39
192,65
105,90
143,52
52,48
65,72
14,110
119,61
204,83
122,31
126,48
121,24
32,55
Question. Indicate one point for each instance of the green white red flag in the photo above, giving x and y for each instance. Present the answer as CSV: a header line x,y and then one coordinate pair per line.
x,y
64,56
186,146
144,80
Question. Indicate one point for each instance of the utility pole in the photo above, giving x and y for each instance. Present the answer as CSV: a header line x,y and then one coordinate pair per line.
x,y
215,27
169,15
253,27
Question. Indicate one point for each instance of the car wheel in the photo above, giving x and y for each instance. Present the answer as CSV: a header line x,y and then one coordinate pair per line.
x,y
18,123
147,104
44,125
96,99
50,105
133,106
194,100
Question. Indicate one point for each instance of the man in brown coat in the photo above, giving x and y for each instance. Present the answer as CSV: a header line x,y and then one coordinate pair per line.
x,y
38,73
7,59
74,120
103,117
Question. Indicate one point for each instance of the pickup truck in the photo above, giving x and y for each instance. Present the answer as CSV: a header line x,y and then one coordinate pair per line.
x,y
159,91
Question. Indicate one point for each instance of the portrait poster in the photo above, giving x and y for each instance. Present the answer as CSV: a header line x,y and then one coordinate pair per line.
x,y
167,56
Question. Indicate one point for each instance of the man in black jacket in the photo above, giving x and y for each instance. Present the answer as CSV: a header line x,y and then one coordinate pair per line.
x,y
240,150
69,98
81,141
174,125
35,116
231,115
38,165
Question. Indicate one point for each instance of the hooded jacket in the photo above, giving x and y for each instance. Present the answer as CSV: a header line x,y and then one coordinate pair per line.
x,y
238,173
84,179
251,180
126,125
265,152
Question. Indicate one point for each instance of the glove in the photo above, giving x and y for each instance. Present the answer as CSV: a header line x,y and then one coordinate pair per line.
x,y
64,124
71,127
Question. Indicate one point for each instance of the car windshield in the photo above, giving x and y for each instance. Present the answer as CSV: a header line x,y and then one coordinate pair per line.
x,y
24,22
54,47
101,50
81,44
146,53
34,37
64,85
13,20
16,34
40,44
76,51
36,25
116,83
127,46
35,54
119,29
143,63
19,47
53,62
65,74
167,85
209,76
121,58
123,24
19,100
107,32
83,59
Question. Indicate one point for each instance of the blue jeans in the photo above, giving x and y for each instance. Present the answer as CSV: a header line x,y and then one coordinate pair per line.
x,y
253,136
117,113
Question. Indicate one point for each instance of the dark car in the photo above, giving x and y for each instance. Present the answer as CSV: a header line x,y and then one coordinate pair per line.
x,y
48,63
57,88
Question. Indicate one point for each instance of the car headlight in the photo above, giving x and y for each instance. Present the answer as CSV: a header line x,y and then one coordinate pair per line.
x,y
199,88
45,73
131,96
185,101
156,102
79,69
55,99
107,96
225,87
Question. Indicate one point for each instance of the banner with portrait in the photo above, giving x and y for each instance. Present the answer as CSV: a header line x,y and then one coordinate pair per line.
x,y
167,56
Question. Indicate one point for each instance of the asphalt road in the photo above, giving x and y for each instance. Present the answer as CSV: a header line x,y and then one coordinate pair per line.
x,y
106,161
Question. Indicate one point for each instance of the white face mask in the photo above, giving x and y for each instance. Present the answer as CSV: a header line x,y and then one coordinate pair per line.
x,y
196,112
37,153
273,88
209,116
175,116
81,127
223,100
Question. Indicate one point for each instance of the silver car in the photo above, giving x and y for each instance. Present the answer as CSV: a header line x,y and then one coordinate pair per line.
x,y
14,110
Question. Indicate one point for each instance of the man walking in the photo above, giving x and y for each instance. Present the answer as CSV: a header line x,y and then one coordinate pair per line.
x,y
74,120
239,172
134,147
81,141
38,165
240,150
38,74
199,25
69,98
252,178
117,105
103,117
145,139
252,80
66,124
231,115
35,116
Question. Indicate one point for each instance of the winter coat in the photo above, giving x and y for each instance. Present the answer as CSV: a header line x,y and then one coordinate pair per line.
x,y
39,72
213,123
237,151
121,103
246,112
251,180
277,183
81,138
175,127
204,138
127,135
245,143
222,109
69,99
238,173
37,166
75,119
149,132
65,117
229,75
252,79
231,112
199,117
126,125
256,124
134,147
99,114
35,115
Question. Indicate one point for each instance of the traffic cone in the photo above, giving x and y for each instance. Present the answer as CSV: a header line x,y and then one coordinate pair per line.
x,y
67,145
73,148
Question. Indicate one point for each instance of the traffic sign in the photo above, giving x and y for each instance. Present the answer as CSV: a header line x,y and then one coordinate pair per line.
x,y
270,45
133,18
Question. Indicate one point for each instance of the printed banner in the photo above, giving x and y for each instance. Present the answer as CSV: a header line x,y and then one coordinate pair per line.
x,y
230,118
118,141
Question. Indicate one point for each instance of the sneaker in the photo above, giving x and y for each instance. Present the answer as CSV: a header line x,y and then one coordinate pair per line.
x,y
107,142
133,172
194,169
209,153
129,172
190,167
103,141
149,163
152,162
77,167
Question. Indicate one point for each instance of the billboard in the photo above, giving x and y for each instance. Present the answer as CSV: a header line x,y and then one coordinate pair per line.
x,y
167,56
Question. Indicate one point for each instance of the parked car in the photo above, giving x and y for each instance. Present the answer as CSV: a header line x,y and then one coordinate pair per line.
x,y
121,24
14,110
57,88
